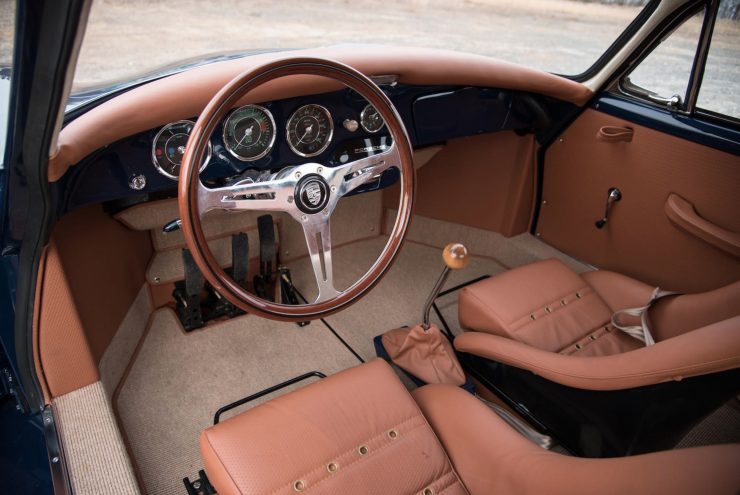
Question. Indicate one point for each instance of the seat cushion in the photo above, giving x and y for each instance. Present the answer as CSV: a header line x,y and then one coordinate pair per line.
x,y
358,431
545,305
492,458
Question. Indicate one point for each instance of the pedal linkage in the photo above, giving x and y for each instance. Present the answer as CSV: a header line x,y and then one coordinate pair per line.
x,y
197,303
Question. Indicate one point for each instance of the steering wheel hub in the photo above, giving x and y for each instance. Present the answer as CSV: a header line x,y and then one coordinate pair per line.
x,y
312,193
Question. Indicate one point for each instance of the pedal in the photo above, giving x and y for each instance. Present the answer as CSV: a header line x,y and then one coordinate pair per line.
x,y
239,269
240,258
268,254
187,295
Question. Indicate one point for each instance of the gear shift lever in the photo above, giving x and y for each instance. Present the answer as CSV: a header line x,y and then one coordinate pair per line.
x,y
455,256
422,350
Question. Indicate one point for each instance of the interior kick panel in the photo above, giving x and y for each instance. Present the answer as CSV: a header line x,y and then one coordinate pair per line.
x,y
647,166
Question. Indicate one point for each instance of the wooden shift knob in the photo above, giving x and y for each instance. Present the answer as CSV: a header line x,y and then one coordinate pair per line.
x,y
455,256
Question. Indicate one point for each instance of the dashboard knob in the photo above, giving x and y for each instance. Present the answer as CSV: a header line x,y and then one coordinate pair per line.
x,y
351,125
137,182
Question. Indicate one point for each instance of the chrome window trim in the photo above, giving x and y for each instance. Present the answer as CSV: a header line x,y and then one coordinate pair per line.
x,y
664,10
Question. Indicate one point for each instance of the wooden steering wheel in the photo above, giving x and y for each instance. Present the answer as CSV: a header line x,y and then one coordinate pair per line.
x,y
309,192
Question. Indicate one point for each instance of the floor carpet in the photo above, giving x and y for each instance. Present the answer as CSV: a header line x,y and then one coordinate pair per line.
x,y
177,380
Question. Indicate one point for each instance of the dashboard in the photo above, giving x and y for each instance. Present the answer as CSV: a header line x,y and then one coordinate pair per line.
x,y
249,132
332,128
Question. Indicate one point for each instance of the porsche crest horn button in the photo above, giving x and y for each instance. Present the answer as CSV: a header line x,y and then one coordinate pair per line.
x,y
311,193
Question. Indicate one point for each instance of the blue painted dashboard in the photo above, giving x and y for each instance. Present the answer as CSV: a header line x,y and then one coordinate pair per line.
x,y
432,114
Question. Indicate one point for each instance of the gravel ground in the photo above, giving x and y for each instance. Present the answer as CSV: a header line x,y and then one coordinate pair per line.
x,y
126,37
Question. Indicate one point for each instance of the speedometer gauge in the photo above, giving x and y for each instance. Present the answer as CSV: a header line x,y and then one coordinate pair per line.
x,y
249,132
169,147
370,119
309,130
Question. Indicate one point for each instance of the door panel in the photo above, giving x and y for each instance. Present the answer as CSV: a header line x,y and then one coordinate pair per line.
x,y
640,240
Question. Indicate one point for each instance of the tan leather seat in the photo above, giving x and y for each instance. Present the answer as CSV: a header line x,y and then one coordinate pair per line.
x,y
546,318
360,431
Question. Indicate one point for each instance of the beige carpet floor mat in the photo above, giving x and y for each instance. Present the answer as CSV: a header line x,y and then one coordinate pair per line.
x,y
399,298
178,381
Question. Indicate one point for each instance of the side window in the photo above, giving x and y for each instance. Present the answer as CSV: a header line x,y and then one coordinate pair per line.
x,y
663,76
7,28
719,88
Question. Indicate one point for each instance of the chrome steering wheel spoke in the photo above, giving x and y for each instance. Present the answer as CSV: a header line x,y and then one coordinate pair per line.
x,y
348,177
271,195
309,193
317,229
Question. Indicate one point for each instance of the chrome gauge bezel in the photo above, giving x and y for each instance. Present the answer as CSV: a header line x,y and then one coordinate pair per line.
x,y
270,144
158,167
367,108
328,137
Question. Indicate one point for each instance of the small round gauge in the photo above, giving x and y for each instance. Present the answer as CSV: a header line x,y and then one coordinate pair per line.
x,y
249,132
168,148
370,119
309,130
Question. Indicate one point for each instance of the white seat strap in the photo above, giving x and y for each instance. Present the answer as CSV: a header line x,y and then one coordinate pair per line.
x,y
642,331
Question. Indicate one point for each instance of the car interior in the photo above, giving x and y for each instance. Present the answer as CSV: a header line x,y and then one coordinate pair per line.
x,y
373,269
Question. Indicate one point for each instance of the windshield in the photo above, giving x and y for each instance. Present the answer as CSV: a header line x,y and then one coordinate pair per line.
x,y
128,38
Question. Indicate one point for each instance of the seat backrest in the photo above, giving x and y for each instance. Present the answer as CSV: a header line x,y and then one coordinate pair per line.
x,y
492,458
358,431
674,316
670,316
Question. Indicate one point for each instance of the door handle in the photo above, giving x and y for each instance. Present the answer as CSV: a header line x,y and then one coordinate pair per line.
x,y
613,196
674,101
684,216
615,134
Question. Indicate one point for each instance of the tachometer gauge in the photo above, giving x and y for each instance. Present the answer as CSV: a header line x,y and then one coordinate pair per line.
x,y
249,132
370,119
168,148
309,130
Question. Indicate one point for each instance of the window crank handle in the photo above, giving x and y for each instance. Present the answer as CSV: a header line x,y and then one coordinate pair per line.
x,y
614,195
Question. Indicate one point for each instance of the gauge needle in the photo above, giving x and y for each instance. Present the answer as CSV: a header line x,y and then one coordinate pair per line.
x,y
247,133
308,130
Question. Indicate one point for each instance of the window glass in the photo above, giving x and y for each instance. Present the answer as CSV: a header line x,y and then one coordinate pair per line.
x,y
7,31
666,71
719,88
125,39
